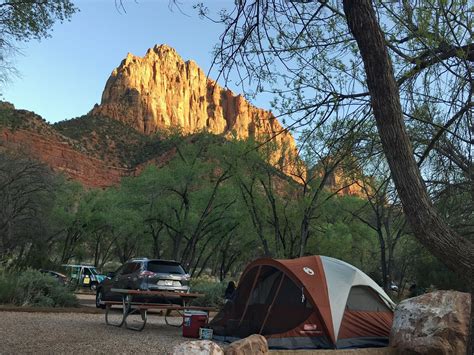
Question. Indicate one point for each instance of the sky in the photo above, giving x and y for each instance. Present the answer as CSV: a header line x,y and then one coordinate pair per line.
x,y
63,76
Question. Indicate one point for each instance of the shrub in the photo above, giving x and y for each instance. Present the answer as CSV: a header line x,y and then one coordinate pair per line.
x,y
32,288
213,292
7,288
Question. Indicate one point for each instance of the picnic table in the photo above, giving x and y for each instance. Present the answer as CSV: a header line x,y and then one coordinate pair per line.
x,y
129,306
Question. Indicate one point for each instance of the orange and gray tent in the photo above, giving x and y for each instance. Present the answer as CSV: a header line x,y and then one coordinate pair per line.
x,y
307,303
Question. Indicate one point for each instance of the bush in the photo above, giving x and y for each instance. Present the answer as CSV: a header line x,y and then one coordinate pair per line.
x,y
32,288
7,288
213,292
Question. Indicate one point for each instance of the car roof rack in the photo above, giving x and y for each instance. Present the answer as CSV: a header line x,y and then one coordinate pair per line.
x,y
148,259
78,265
138,259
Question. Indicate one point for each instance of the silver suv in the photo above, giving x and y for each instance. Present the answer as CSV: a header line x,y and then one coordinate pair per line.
x,y
144,274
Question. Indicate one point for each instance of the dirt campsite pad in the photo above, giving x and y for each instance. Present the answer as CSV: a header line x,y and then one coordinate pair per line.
x,y
79,333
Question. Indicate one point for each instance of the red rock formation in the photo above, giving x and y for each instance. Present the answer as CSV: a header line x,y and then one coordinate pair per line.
x,y
160,90
63,158
343,184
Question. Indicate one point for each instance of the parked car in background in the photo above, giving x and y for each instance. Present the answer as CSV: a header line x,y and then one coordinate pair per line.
x,y
145,274
61,278
83,275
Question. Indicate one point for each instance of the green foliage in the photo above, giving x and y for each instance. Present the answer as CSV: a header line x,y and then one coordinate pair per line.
x,y
25,20
102,136
214,205
21,21
7,287
32,288
25,190
7,116
428,273
213,292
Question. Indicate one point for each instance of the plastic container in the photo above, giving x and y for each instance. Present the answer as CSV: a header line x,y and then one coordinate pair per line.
x,y
193,320
205,333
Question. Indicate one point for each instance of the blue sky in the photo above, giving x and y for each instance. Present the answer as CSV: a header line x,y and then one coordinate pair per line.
x,y
63,76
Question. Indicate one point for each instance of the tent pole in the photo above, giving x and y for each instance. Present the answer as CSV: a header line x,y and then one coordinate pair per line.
x,y
250,293
273,301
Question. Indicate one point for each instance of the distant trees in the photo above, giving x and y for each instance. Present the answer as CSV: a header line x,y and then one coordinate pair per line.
x,y
214,206
385,216
25,187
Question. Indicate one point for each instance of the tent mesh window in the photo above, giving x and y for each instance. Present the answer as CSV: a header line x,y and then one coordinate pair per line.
x,y
363,298
289,309
275,305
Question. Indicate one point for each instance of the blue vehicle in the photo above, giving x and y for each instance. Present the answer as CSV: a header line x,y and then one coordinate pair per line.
x,y
83,275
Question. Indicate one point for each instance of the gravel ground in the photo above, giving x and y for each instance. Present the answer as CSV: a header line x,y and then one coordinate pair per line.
x,y
77,333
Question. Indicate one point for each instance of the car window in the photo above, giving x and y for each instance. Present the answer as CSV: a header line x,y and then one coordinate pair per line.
x,y
119,270
165,267
93,271
131,268
74,272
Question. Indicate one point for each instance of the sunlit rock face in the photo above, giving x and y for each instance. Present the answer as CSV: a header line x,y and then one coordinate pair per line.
x,y
162,91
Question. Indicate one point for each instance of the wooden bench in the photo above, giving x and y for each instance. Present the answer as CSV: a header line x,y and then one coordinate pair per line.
x,y
164,306
130,307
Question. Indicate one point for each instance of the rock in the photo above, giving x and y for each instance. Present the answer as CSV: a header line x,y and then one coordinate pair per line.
x,y
198,347
252,345
433,323
62,157
160,90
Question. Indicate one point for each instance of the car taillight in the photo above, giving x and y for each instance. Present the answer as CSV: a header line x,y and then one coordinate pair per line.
x,y
146,273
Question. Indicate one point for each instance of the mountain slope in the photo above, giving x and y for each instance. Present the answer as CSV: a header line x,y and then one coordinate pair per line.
x,y
161,91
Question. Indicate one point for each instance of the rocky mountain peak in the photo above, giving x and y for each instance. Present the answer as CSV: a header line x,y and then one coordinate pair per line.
x,y
160,91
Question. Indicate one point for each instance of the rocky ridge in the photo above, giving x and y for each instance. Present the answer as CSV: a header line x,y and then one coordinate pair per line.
x,y
152,94
161,91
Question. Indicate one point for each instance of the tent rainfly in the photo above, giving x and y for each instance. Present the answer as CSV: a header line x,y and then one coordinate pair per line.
x,y
307,303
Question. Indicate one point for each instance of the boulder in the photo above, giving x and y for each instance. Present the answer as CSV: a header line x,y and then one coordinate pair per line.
x,y
252,345
433,323
198,347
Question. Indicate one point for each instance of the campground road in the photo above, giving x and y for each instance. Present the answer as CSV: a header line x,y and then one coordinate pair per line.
x,y
86,299
79,333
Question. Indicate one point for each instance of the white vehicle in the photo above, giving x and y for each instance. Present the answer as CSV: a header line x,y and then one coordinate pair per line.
x,y
83,275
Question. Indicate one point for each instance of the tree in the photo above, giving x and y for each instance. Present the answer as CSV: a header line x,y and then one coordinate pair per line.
x,y
386,218
22,21
24,205
302,38
427,225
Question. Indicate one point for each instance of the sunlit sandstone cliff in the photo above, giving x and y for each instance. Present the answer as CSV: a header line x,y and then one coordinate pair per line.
x,y
161,90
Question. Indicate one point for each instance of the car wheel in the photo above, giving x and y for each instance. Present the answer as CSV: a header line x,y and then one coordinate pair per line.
x,y
93,286
99,298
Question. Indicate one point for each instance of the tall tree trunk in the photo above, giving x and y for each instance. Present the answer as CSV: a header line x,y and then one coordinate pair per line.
x,y
383,261
304,235
455,252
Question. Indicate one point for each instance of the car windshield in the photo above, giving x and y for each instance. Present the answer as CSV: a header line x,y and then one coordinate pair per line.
x,y
71,271
164,267
93,271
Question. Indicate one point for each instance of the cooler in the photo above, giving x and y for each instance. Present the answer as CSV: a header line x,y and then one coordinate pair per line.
x,y
193,320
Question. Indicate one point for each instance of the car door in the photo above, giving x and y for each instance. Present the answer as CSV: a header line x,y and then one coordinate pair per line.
x,y
86,276
114,282
130,275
